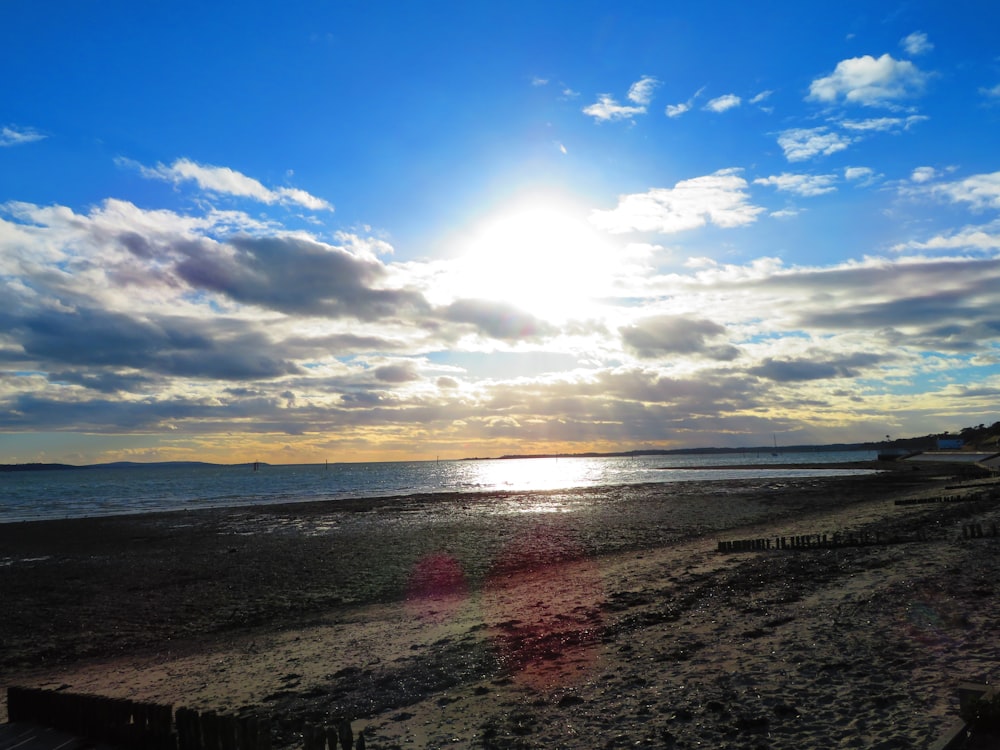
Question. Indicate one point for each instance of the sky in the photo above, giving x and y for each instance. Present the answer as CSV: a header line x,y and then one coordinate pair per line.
x,y
357,231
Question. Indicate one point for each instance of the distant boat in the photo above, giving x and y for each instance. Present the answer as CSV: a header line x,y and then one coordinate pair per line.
x,y
775,453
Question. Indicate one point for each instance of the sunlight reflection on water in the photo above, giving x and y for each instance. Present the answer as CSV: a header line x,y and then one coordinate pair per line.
x,y
537,474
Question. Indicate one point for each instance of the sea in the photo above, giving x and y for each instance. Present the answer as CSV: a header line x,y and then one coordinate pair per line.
x,y
104,491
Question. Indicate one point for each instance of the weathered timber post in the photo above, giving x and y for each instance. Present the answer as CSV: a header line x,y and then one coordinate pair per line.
x,y
227,732
313,738
209,722
188,736
346,735
263,734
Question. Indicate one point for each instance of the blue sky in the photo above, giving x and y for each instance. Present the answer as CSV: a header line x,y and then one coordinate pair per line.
x,y
355,231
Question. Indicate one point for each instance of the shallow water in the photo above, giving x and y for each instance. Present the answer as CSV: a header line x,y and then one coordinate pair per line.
x,y
111,491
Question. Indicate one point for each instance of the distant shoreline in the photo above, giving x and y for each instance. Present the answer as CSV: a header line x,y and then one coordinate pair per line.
x,y
117,465
767,449
836,447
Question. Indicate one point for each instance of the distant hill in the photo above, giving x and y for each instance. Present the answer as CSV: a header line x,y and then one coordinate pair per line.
x,y
36,467
141,465
112,465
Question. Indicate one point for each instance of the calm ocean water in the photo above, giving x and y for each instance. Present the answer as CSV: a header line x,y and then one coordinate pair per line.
x,y
111,491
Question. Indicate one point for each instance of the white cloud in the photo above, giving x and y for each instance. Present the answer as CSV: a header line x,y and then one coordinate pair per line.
x,y
807,185
883,124
993,92
800,144
916,44
607,107
869,81
979,191
295,195
969,238
858,173
676,110
229,182
784,213
14,136
641,92
723,103
761,97
720,198
923,174
538,81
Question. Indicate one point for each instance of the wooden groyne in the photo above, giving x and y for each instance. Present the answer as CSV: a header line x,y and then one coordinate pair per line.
x,y
812,541
846,539
122,723
139,725
330,737
970,497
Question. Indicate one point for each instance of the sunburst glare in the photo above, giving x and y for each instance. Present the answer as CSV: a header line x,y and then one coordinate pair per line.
x,y
540,255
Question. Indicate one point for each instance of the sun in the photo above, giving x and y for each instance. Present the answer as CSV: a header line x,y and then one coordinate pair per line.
x,y
541,255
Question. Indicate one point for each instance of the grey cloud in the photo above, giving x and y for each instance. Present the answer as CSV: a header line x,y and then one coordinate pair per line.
x,y
665,335
942,305
344,343
908,311
363,399
401,372
630,406
170,346
104,381
299,276
34,412
498,320
706,394
792,370
958,338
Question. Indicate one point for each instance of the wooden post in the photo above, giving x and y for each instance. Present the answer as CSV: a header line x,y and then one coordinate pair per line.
x,y
313,738
12,704
346,735
188,734
227,732
209,730
263,734
243,739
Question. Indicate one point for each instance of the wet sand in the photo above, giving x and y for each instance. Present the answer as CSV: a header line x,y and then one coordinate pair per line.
x,y
602,617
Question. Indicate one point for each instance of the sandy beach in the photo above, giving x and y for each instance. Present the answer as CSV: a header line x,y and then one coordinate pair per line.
x,y
589,618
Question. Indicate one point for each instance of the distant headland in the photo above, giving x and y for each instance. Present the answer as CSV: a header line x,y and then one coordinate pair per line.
x,y
115,465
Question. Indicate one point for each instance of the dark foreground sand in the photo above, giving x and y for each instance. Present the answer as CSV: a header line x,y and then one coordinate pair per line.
x,y
599,618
